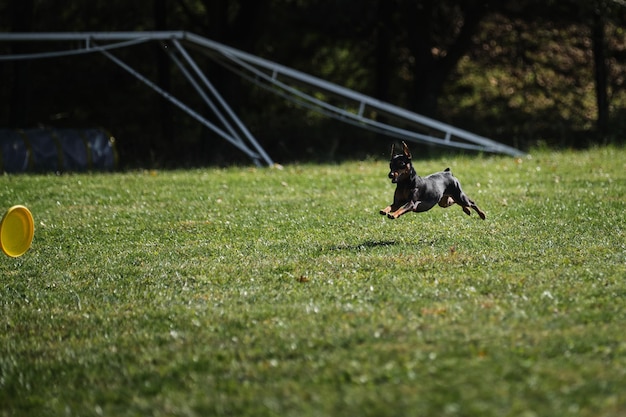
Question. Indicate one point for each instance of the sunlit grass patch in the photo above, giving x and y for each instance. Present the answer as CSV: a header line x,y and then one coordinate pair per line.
x,y
246,291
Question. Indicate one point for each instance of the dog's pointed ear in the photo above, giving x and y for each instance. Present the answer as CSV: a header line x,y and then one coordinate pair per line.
x,y
406,150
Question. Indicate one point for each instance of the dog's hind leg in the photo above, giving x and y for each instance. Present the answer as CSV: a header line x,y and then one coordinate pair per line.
x,y
466,203
479,211
472,205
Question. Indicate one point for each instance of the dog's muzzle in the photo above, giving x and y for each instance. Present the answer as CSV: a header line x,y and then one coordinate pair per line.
x,y
393,176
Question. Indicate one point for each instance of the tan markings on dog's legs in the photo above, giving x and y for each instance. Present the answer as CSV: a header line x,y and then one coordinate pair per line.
x,y
446,202
480,212
410,206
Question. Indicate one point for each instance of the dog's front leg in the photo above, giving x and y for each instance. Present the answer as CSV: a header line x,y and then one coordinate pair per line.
x,y
390,208
410,206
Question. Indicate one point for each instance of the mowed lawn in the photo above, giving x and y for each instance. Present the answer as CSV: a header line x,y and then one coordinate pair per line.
x,y
268,292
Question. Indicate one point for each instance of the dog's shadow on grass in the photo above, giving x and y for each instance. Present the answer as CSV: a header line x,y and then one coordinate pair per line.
x,y
368,244
373,244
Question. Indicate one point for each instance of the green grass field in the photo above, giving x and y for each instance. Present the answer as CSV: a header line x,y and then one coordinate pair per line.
x,y
266,292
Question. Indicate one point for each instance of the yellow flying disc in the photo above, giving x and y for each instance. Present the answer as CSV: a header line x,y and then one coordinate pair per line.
x,y
16,231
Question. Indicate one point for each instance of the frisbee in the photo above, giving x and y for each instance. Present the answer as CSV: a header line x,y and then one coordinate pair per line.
x,y
16,231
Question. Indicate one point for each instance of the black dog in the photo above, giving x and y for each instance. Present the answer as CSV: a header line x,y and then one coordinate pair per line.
x,y
414,193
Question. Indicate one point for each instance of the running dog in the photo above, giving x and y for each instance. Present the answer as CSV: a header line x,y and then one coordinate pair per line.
x,y
414,193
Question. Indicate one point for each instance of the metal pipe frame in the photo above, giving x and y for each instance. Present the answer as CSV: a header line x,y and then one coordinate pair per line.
x,y
274,77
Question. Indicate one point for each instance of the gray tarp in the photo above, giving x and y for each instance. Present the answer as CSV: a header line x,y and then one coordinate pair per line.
x,y
46,149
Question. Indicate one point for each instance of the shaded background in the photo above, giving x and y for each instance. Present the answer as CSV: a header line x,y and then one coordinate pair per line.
x,y
525,73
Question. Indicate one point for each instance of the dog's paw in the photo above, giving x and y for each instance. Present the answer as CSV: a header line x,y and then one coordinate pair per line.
x,y
391,216
482,214
383,212
467,210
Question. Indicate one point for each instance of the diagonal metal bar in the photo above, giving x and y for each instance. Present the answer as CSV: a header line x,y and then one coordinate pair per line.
x,y
223,103
255,157
355,119
375,126
203,95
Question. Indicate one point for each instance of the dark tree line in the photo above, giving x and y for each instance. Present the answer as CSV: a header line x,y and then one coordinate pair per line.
x,y
520,72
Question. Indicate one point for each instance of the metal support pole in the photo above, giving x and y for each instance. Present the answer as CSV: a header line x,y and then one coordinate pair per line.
x,y
207,100
223,103
178,103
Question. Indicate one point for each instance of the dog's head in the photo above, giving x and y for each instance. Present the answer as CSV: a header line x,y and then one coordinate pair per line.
x,y
400,164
